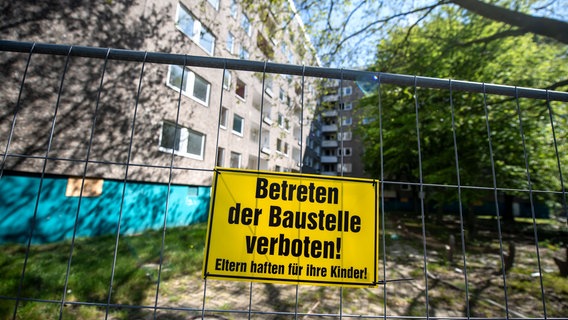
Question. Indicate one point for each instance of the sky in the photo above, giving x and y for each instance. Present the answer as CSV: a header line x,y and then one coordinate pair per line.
x,y
362,48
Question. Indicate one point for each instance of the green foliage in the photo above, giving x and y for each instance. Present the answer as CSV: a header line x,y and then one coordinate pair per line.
x,y
455,44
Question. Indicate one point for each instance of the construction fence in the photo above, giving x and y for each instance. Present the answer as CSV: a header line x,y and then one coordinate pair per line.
x,y
103,217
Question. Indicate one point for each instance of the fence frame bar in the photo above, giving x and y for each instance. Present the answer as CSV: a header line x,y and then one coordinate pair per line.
x,y
270,67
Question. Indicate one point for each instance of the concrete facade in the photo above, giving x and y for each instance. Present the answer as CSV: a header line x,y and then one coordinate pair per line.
x,y
139,117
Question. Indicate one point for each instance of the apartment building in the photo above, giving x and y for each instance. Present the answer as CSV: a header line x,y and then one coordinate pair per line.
x,y
340,147
140,121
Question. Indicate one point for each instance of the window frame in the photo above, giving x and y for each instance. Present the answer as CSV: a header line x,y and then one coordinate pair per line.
x,y
198,29
220,162
214,5
224,118
227,79
244,89
240,159
184,135
230,43
234,9
244,54
242,125
185,86
248,26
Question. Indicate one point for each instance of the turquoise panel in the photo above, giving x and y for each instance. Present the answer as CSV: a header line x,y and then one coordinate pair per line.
x,y
54,214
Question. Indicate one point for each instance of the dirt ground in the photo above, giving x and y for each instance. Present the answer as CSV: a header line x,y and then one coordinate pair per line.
x,y
404,294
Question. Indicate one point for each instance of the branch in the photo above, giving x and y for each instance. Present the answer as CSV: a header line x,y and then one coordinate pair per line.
x,y
551,28
557,85
351,15
370,25
496,36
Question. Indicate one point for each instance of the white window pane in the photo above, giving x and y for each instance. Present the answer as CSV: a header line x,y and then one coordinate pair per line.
x,y
201,89
227,79
195,143
235,161
245,24
207,40
230,42
233,8
175,77
223,120
220,156
185,21
238,124
170,136
214,3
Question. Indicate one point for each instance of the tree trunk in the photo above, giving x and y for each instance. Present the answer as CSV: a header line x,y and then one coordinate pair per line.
x,y
507,214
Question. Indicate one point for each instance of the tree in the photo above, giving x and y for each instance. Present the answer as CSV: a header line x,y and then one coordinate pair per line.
x,y
343,31
447,46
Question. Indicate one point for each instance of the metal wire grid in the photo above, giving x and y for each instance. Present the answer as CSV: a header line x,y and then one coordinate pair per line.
x,y
414,82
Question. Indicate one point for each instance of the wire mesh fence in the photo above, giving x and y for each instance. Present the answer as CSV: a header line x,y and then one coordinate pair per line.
x,y
103,215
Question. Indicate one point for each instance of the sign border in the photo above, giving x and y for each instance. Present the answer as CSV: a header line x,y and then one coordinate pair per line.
x,y
219,170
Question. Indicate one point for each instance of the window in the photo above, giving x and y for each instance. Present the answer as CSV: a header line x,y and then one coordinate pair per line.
x,y
194,29
241,89
252,162
223,117
182,141
189,83
268,86
368,120
264,46
347,121
346,152
254,133
346,106
234,9
238,124
347,91
282,95
282,146
243,53
230,43
220,157
227,80
245,24
214,3
235,161
346,167
283,122
345,136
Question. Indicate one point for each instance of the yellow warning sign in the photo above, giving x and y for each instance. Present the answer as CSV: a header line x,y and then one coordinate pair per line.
x,y
292,228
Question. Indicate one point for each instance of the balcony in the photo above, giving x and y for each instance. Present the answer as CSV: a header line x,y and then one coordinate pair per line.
x,y
330,98
329,128
328,159
329,143
329,113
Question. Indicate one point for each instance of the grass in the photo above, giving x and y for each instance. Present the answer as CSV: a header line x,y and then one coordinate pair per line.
x,y
136,270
